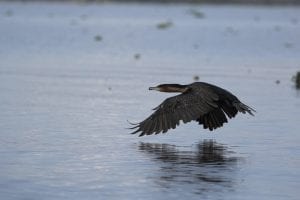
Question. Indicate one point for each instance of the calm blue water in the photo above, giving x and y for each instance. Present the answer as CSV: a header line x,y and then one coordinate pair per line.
x,y
66,98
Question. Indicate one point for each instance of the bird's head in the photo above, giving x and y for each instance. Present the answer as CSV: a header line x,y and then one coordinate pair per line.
x,y
170,88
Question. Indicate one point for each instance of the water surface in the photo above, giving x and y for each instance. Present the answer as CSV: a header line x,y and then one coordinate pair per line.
x,y
66,96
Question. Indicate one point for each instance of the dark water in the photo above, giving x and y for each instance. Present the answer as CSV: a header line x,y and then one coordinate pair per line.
x,y
72,75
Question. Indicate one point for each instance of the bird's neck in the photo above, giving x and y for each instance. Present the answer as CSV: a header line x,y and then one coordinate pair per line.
x,y
174,88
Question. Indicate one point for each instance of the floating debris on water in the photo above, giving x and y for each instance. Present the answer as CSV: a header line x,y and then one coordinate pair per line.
x,y
98,38
296,79
196,46
164,25
256,18
196,78
277,28
277,82
294,21
9,13
231,30
83,17
196,13
137,56
288,45
73,22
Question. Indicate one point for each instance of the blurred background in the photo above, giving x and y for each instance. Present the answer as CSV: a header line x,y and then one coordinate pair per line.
x,y
179,1
73,73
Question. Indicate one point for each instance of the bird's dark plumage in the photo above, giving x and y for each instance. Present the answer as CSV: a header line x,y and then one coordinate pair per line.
x,y
202,102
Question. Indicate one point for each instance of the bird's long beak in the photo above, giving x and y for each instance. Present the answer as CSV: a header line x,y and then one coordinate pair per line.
x,y
154,88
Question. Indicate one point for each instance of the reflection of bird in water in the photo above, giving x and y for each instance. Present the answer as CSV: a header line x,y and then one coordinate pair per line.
x,y
202,102
207,152
207,168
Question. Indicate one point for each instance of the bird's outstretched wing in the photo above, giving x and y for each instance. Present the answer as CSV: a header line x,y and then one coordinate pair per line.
x,y
185,107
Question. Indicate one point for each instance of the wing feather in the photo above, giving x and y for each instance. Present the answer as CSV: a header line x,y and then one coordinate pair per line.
x,y
185,107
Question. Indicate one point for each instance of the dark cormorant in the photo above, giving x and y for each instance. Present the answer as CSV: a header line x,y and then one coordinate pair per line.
x,y
202,102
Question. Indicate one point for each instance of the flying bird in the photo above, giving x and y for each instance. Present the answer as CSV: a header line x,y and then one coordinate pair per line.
x,y
202,102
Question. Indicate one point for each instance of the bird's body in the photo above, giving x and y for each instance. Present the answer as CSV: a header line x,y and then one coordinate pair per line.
x,y
202,102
